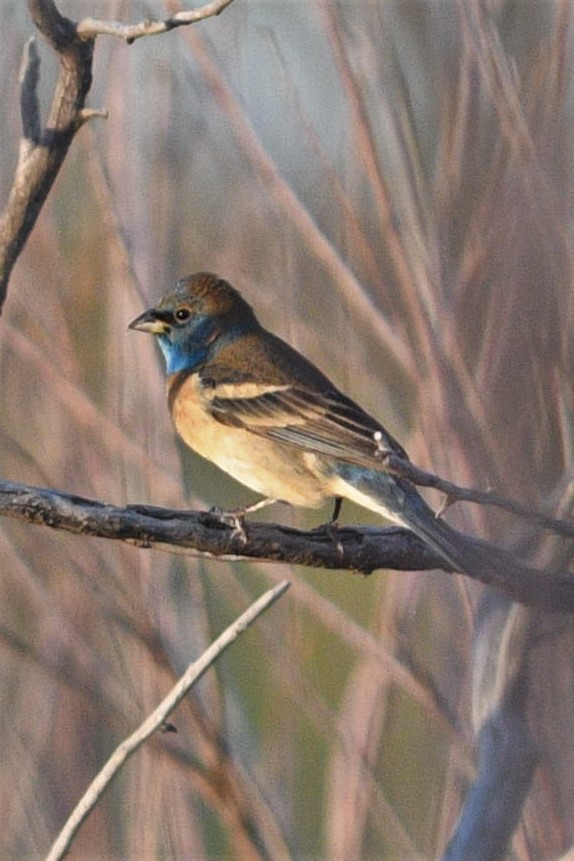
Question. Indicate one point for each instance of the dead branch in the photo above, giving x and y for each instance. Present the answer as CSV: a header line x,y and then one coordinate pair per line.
x,y
203,533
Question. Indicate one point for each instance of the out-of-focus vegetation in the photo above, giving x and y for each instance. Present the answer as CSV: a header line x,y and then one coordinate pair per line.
x,y
390,184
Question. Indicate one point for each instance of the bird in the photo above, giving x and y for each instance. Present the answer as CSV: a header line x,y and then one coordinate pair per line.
x,y
250,403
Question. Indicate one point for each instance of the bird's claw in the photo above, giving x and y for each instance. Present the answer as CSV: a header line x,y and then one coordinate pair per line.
x,y
234,520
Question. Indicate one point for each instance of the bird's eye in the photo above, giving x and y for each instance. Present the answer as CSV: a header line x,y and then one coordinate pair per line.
x,y
182,314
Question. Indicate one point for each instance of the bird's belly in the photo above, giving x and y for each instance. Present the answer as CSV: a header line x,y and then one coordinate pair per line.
x,y
270,468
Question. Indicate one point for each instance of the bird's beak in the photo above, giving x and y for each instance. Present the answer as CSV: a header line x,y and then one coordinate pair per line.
x,y
150,321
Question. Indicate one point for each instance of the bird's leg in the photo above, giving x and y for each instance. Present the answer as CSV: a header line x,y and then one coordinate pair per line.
x,y
234,519
332,526
256,506
336,511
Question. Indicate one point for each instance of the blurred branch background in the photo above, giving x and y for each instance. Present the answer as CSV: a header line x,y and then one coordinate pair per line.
x,y
391,188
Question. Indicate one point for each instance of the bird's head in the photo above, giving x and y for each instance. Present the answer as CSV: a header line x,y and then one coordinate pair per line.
x,y
195,319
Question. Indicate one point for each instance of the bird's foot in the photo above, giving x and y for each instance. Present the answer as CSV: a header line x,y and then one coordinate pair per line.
x,y
235,519
232,519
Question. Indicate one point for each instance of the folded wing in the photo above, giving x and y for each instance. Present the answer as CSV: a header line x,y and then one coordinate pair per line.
x,y
324,423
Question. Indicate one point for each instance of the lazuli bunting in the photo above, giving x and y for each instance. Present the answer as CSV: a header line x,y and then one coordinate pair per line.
x,y
250,403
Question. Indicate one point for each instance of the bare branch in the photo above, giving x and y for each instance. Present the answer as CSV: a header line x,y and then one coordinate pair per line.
x,y
203,533
89,28
157,719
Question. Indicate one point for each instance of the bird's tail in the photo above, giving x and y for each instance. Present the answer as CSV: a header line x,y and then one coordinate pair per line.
x,y
401,502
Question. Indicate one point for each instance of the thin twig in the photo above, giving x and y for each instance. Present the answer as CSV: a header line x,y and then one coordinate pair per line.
x,y
157,719
89,28
457,493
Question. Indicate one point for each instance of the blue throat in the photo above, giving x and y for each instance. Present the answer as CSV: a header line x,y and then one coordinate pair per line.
x,y
179,356
188,348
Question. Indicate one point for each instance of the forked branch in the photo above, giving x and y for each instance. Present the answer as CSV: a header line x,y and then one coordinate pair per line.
x,y
43,149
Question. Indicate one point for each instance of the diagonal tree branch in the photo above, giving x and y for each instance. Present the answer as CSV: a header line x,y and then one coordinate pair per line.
x,y
157,719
